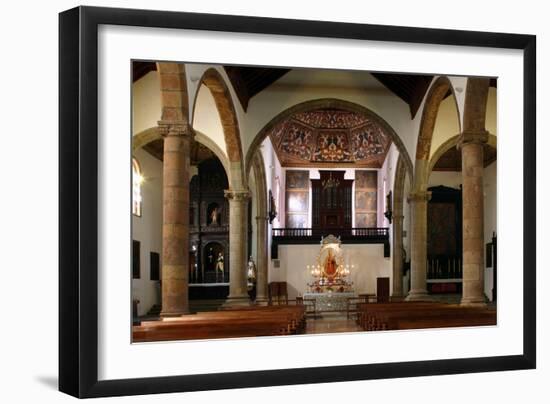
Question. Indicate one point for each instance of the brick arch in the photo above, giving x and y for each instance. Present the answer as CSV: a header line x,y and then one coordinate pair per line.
x,y
326,103
447,145
143,138
173,91
397,233
475,104
213,80
435,96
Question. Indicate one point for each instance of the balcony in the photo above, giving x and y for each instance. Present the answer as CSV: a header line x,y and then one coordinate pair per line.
x,y
308,235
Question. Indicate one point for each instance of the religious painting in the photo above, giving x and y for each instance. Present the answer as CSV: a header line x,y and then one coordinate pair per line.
x,y
297,179
365,220
296,221
298,202
366,179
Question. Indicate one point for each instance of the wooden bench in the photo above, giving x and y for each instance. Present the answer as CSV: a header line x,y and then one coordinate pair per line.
x,y
414,315
240,322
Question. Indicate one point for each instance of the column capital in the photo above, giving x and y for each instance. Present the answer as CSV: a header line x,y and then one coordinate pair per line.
x,y
419,196
237,195
473,136
262,218
176,128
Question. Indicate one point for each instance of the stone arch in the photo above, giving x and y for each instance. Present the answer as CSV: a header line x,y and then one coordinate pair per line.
x,y
149,135
437,93
397,234
173,89
328,103
258,167
475,104
213,80
450,143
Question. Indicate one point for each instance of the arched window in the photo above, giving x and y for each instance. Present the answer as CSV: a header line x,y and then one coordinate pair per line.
x,y
137,179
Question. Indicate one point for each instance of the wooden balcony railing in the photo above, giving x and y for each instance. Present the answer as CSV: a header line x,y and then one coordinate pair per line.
x,y
353,235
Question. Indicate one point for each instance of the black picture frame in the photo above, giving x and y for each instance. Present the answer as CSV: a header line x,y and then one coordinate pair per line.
x,y
78,179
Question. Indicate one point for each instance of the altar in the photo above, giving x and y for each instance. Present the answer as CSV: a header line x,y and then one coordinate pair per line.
x,y
330,288
330,301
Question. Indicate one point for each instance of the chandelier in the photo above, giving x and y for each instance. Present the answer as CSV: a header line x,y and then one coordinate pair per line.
x,y
330,183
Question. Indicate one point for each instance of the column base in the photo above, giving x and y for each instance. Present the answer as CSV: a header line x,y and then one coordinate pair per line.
x,y
261,297
237,301
473,302
174,313
418,296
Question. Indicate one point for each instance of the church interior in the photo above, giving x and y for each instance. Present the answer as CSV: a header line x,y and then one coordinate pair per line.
x,y
281,201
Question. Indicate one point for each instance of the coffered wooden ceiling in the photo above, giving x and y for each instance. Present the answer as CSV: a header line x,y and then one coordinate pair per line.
x,y
330,137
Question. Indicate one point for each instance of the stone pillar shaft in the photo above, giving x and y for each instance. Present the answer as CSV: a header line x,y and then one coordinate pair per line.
x,y
238,231
175,227
472,219
397,287
419,239
261,257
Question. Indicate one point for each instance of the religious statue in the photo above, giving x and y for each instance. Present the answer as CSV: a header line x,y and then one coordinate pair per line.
x,y
330,264
219,266
214,217
330,272
251,273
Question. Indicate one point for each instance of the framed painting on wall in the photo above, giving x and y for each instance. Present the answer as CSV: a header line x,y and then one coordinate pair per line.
x,y
102,50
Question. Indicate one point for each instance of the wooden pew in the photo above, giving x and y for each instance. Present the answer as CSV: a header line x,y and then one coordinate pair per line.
x,y
241,322
367,313
405,315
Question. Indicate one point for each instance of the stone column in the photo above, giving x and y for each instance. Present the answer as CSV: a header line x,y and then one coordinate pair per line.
x,y
175,225
261,257
238,231
472,218
397,287
419,247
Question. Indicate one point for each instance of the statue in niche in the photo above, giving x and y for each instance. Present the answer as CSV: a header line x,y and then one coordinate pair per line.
x,y
219,266
214,217
330,264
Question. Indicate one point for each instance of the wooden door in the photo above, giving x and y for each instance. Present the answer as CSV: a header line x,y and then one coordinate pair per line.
x,y
382,290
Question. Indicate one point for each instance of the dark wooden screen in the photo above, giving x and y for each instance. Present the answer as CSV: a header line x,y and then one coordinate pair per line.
x,y
154,265
136,271
331,198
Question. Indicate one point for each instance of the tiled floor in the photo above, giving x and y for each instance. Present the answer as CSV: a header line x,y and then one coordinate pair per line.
x,y
331,322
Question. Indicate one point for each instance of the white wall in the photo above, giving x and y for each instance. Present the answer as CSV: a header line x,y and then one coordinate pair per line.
x,y
147,229
207,119
446,123
368,259
146,103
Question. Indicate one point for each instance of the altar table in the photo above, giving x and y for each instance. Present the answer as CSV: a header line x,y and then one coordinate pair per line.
x,y
330,301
